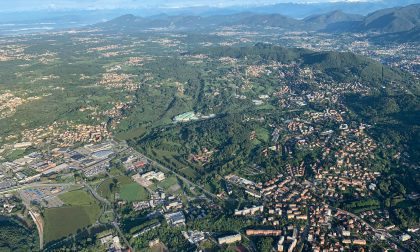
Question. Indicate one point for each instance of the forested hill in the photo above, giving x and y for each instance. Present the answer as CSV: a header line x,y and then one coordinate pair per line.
x,y
390,20
341,66
412,35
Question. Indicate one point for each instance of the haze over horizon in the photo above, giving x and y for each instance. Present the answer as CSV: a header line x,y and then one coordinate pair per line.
x,y
56,5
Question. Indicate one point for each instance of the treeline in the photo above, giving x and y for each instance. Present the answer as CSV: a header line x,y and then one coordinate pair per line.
x,y
84,240
172,237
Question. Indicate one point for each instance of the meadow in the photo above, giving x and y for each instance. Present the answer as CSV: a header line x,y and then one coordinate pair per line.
x,y
128,189
80,211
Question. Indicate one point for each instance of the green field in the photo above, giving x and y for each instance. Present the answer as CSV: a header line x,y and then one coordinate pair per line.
x,y
133,192
166,184
107,217
80,211
126,187
77,198
104,189
262,134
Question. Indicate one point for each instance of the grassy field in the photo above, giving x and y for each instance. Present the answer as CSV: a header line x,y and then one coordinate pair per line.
x,y
15,155
80,211
104,189
127,188
263,135
133,192
77,198
166,184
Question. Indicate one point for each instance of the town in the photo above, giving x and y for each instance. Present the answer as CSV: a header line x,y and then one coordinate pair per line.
x,y
236,138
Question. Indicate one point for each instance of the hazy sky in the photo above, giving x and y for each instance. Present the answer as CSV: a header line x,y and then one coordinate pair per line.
x,y
20,5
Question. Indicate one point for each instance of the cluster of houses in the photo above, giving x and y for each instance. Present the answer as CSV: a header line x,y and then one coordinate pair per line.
x,y
291,207
118,80
9,104
203,157
66,134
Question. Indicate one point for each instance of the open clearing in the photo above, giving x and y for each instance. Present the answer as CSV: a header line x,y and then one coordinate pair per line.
x,y
104,188
133,192
128,189
80,211
78,197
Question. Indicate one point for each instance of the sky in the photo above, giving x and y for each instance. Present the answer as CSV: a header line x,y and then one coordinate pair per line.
x,y
25,5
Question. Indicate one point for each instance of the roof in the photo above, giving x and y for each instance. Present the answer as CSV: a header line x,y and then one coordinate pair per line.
x,y
102,153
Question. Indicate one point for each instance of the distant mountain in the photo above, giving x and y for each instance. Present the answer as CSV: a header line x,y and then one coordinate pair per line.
x,y
403,20
28,21
321,21
390,20
394,20
124,21
302,10
268,20
132,23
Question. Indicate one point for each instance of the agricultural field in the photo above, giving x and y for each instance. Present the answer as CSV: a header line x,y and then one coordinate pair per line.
x,y
80,211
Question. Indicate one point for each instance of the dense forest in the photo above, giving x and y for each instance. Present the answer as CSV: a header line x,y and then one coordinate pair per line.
x,y
15,236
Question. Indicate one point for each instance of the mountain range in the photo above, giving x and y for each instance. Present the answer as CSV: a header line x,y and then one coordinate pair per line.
x,y
391,21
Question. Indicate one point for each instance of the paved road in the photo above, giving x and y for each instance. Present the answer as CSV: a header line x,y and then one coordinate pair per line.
x,y
122,235
36,217
96,195
106,202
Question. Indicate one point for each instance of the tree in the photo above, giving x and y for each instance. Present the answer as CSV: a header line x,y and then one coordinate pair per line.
x,y
266,244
